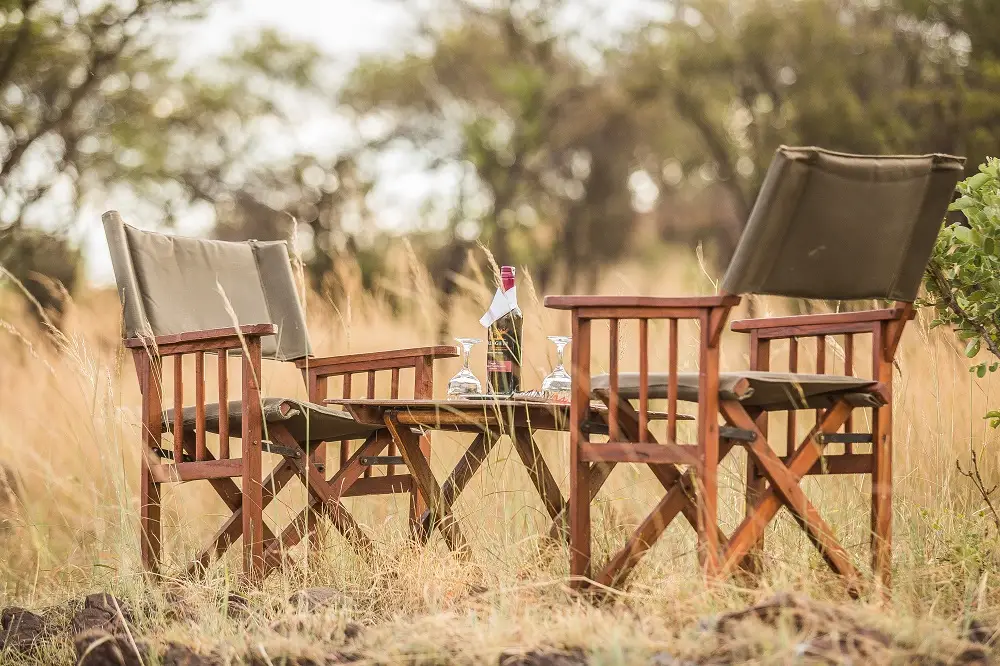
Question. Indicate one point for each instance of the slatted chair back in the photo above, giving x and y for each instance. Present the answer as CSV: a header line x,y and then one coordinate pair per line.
x,y
834,226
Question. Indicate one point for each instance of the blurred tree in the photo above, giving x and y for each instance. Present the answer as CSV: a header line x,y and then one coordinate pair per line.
x,y
94,106
541,143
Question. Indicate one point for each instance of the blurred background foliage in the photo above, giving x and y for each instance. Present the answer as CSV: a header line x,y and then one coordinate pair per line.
x,y
568,153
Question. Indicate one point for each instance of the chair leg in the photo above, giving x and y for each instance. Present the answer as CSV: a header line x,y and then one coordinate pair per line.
x,y
708,443
253,501
881,538
149,521
579,470
881,514
756,484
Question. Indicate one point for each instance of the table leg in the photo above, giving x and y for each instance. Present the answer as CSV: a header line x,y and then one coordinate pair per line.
x,y
409,446
539,472
460,476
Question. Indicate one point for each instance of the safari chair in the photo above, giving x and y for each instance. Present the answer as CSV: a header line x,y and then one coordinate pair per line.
x,y
190,297
826,226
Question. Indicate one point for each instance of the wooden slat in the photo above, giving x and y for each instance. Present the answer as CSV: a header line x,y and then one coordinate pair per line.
x,y
345,445
224,404
574,302
370,394
640,313
640,452
614,433
643,380
405,358
849,371
197,471
793,367
178,408
827,318
380,485
672,384
394,394
199,406
164,342
820,365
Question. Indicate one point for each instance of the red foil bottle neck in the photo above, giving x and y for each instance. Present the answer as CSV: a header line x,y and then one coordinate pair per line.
x,y
507,277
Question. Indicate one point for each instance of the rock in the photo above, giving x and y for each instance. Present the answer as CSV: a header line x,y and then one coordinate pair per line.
x,y
831,633
352,630
316,598
109,604
973,656
103,612
237,607
981,633
95,647
574,657
181,655
22,630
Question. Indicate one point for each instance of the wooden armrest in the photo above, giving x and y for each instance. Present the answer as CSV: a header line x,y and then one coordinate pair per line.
x,y
831,322
208,340
575,302
395,358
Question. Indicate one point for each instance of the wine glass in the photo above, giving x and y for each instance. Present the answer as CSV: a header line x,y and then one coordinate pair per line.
x,y
558,382
465,383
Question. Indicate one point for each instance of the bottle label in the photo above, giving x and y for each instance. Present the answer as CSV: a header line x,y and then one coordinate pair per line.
x,y
498,364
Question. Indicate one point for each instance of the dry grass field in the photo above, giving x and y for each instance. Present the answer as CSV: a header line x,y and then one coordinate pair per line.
x,y
68,518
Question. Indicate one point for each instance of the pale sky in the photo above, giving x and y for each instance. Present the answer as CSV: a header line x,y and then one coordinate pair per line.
x,y
345,30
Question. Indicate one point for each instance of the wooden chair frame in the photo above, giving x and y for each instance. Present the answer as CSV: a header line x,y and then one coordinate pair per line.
x,y
773,481
191,459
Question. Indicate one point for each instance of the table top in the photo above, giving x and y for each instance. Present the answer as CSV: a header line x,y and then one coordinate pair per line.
x,y
461,414
474,414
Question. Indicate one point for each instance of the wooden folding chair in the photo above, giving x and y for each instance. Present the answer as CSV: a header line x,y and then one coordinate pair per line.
x,y
826,226
191,297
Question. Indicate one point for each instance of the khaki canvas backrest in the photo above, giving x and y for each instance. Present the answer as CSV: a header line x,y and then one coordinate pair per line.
x,y
835,226
171,284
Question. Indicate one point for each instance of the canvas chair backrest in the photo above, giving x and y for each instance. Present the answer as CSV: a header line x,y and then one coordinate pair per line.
x,y
834,226
171,284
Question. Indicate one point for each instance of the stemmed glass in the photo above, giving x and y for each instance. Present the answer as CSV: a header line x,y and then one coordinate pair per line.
x,y
558,381
465,383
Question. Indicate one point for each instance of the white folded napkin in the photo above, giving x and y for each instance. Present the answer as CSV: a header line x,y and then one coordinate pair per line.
x,y
503,302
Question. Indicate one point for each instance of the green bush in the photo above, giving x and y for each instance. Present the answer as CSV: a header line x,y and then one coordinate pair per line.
x,y
963,276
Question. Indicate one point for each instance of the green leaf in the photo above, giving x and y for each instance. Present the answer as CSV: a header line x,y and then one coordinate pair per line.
x,y
972,348
977,181
962,203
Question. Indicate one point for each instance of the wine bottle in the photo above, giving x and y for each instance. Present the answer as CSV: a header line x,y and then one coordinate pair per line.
x,y
503,353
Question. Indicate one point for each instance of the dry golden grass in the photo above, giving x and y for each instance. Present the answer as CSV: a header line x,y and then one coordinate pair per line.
x,y
68,433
